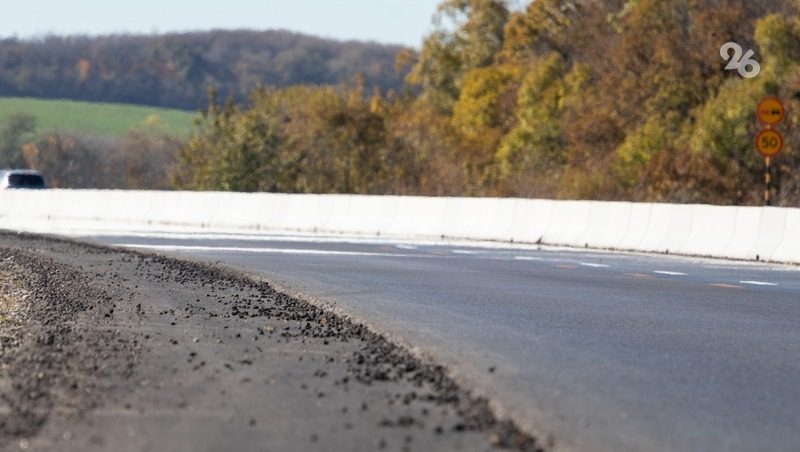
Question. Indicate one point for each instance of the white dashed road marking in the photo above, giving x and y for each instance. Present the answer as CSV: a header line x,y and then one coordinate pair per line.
x,y
231,249
668,273
588,264
758,283
527,258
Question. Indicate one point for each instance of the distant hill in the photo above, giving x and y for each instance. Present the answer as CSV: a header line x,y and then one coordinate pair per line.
x,y
175,70
96,119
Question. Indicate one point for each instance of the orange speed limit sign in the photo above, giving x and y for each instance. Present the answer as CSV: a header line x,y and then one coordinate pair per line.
x,y
769,142
770,111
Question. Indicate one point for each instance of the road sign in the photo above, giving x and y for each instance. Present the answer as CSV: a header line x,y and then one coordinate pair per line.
x,y
770,111
769,142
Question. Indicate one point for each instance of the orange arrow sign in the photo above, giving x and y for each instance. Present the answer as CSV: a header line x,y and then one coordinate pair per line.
x,y
770,111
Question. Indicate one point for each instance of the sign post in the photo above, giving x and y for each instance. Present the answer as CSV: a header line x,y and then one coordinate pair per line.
x,y
769,141
768,181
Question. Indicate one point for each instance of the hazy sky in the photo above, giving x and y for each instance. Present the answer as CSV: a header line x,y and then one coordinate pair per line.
x,y
393,21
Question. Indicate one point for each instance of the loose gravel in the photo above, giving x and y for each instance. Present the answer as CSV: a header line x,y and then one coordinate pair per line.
x,y
115,349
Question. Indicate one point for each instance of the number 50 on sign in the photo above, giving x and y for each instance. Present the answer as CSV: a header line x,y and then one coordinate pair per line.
x,y
769,142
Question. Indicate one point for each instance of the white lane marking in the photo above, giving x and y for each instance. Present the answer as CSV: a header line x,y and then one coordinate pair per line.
x,y
465,252
758,283
270,235
235,249
589,264
406,247
278,236
669,273
527,258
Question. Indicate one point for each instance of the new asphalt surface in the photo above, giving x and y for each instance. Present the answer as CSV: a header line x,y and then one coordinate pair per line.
x,y
587,350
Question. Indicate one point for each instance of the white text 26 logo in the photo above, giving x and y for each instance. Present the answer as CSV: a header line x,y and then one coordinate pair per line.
x,y
742,62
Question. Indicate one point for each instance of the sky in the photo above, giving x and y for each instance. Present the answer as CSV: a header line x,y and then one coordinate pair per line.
x,y
389,21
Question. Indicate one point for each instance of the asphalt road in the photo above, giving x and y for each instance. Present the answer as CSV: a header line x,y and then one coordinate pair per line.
x,y
589,350
117,350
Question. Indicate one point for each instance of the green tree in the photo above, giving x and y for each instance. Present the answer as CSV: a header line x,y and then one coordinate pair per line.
x,y
17,127
536,144
469,34
199,160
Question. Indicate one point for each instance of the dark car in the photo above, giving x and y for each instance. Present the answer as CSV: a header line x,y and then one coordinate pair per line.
x,y
21,179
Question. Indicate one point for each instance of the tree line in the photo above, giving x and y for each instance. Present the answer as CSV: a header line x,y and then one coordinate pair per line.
x,y
618,99
175,69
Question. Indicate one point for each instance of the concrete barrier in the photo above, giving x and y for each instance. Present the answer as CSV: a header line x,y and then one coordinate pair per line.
x,y
340,213
638,224
531,220
745,233
417,217
771,230
569,221
711,231
608,224
367,214
473,218
789,248
658,225
767,234
679,227
294,213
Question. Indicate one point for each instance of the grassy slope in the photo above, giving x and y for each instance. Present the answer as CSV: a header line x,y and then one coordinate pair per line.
x,y
94,118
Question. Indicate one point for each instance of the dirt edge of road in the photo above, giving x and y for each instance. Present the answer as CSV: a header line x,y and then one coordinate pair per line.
x,y
49,289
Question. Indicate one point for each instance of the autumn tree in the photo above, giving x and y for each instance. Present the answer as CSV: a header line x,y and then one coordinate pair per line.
x,y
622,99
468,35
66,161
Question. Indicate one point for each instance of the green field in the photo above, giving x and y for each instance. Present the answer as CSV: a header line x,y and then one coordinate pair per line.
x,y
111,120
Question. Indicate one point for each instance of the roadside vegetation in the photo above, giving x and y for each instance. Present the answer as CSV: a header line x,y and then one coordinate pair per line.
x,y
174,69
142,157
614,100
100,138
621,99
93,145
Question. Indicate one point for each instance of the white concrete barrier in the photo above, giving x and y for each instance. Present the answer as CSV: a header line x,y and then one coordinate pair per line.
x,y
789,248
340,213
297,213
768,234
658,225
771,230
638,224
569,221
531,220
236,210
367,214
505,212
470,217
678,228
745,234
417,217
608,224
711,231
